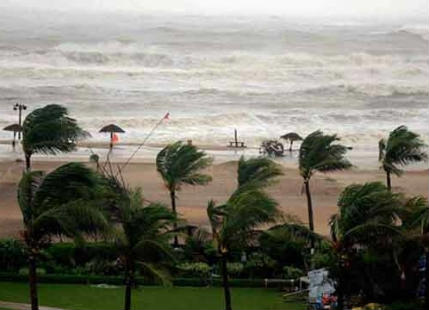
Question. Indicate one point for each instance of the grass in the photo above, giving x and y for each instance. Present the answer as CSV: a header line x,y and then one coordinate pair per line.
x,y
80,297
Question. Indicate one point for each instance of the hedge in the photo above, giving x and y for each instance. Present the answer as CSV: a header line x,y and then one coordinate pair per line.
x,y
118,280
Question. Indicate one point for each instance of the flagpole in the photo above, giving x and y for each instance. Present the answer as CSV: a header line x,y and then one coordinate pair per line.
x,y
144,141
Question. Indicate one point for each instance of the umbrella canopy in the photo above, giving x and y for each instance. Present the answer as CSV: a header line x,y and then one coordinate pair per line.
x,y
292,136
13,127
112,128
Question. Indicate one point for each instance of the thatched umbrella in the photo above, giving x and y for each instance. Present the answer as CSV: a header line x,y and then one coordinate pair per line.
x,y
291,137
112,128
15,128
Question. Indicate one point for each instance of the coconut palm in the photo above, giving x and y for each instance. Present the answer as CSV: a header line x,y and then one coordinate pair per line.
x,y
233,223
180,164
258,172
49,130
291,137
417,218
401,148
367,218
141,237
59,203
319,152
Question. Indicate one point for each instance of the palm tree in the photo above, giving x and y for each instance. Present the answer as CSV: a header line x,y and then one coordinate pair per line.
x,y
401,148
59,203
367,218
141,237
319,152
180,164
49,130
234,222
417,218
258,172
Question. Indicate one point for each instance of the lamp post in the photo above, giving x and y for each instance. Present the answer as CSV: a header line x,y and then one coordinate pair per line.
x,y
19,107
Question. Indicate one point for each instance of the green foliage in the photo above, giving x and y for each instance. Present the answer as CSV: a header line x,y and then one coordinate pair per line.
x,y
24,271
235,269
201,270
59,203
290,272
257,172
401,148
319,152
12,255
50,130
260,265
180,163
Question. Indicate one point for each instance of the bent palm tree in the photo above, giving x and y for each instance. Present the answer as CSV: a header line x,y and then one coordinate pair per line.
x,y
401,148
257,172
141,238
49,130
59,203
367,218
319,152
233,223
180,164
418,219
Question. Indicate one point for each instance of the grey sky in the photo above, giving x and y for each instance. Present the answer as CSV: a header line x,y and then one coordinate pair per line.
x,y
305,8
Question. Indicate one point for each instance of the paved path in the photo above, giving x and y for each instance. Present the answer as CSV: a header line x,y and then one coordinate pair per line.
x,y
16,306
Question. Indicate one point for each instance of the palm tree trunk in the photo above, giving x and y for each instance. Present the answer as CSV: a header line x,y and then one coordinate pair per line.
x,y
388,181
173,207
129,282
310,209
427,280
27,162
225,283
340,285
32,279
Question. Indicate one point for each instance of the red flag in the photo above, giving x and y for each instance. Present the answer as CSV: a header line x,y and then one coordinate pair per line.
x,y
167,116
115,138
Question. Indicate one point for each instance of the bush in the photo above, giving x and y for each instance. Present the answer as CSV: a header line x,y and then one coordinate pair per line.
x,y
201,270
235,268
25,271
260,265
290,272
12,255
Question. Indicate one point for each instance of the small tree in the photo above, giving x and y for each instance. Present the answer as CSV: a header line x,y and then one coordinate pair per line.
x,y
180,164
141,237
401,148
49,130
249,207
62,202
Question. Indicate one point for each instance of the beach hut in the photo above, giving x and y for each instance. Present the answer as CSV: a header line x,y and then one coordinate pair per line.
x,y
14,128
291,137
112,129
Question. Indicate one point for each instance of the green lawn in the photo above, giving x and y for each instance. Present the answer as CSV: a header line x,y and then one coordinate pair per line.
x,y
76,297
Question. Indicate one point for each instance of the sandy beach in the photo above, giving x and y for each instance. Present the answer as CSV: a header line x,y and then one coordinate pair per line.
x,y
192,200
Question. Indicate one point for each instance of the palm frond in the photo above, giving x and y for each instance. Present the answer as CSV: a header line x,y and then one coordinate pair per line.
x,y
49,130
259,172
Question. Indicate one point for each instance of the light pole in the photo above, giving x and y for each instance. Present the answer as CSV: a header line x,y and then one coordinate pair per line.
x,y
19,107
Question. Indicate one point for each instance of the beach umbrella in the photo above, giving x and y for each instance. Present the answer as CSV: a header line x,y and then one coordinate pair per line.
x,y
15,128
291,136
112,129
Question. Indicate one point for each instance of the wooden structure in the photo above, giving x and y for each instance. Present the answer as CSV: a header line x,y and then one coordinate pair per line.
x,y
236,143
15,128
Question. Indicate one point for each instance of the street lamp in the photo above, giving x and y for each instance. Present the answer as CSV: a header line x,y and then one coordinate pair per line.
x,y
19,107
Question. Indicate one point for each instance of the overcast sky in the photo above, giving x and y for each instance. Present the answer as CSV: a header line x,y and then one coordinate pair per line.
x,y
306,8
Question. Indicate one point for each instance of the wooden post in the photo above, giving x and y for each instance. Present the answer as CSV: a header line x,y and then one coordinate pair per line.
x,y
235,138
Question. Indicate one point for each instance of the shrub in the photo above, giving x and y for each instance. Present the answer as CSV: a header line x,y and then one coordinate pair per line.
x,y
12,255
290,272
235,269
25,272
201,270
